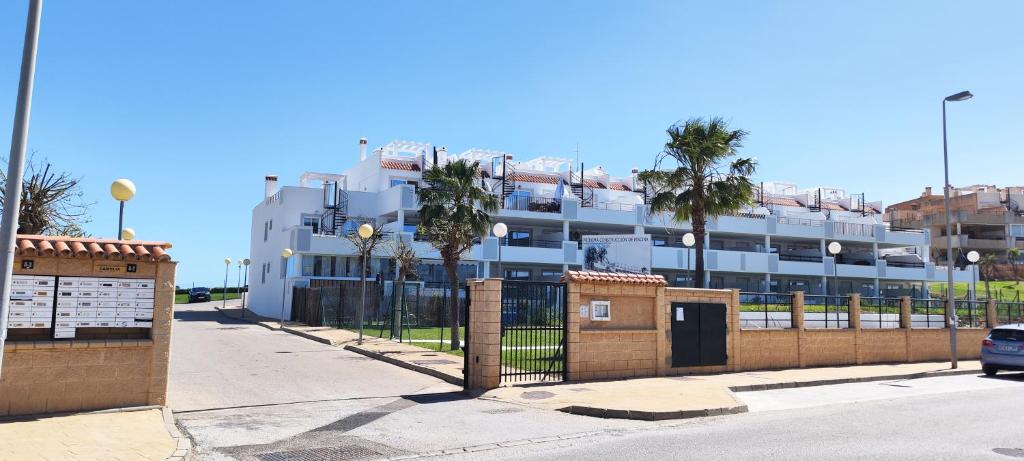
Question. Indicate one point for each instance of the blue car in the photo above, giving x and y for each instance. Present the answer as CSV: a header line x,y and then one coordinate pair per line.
x,y
1003,349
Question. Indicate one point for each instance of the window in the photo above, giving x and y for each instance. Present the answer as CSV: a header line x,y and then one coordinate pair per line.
x,y
263,273
312,221
601,310
551,274
265,229
519,238
517,274
271,224
518,200
659,241
400,182
1007,334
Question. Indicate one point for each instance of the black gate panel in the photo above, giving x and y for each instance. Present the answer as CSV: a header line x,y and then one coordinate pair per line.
x,y
698,334
533,336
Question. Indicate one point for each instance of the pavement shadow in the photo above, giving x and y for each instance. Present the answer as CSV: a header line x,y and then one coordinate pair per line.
x,y
440,397
1007,376
206,316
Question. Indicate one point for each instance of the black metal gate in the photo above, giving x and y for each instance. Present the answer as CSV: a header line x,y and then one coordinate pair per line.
x,y
698,334
533,331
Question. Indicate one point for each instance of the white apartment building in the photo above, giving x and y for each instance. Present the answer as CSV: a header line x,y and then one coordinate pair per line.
x,y
777,244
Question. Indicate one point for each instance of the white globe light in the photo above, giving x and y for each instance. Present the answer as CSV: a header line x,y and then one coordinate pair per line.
x,y
128,234
365,231
286,253
834,248
689,240
973,256
122,190
246,262
227,260
500,230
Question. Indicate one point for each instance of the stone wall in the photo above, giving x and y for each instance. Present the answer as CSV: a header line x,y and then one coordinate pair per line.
x,y
46,376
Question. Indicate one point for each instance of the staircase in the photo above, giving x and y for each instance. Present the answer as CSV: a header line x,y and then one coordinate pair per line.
x,y
335,213
501,169
579,188
815,202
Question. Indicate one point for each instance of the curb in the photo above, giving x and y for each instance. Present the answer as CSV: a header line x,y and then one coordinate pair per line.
x,y
864,379
408,366
653,415
183,449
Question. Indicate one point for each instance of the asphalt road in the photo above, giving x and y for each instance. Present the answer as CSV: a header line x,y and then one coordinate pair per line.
x,y
243,392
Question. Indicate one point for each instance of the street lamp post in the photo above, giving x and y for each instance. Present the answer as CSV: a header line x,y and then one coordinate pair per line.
x,y
285,254
365,232
122,190
688,241
973,257
238,281
834,249
245,282
224,294
950,294
500,230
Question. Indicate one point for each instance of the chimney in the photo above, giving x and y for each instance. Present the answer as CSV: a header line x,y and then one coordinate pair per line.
x,y
269,185
927,191
441,155
362,149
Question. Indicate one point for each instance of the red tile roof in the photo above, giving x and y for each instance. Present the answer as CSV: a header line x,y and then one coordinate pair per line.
x,y
593,184
832,206
617,186
399,165
81,247
614,277
534,178
781,201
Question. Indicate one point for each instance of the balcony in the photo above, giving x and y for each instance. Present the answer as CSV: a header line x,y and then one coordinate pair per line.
x,y
531,203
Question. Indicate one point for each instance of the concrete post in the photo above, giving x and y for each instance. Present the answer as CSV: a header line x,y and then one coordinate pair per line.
x,y
798,324
854,316
991,316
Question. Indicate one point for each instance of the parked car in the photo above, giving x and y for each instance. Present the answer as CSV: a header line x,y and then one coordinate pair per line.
x,y
1003,349
198,295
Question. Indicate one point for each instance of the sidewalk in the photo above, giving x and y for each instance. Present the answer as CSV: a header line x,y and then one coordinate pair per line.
x,y
701,395
112,435
441,365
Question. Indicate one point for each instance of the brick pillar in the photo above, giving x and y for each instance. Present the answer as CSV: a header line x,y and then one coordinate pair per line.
x,y
484,334
798,325
991,318
906,321
854,320
733,330
573,330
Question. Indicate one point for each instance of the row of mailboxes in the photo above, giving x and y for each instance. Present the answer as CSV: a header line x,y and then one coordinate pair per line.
x,y
67,303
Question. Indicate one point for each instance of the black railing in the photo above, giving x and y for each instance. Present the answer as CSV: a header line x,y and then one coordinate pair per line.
x,y
530,203
531,242
775,310
904,264
909,230
802,258
930,308
970,313
885,310
1009,312
835,311
533,336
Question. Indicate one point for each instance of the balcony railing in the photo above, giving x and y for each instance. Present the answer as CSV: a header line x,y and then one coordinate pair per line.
x,y
801,258
909,230
531,243
916,265
530,203
615,206
801,221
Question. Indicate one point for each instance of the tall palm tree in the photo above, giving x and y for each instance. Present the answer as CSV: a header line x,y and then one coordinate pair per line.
x,y
1013,255
987,265
704,180
454,212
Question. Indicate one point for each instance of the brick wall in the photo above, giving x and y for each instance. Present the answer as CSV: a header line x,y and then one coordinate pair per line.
x,y
484,333
46,376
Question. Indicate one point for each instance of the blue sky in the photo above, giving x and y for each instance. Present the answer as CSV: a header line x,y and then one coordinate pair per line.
x,y
197,101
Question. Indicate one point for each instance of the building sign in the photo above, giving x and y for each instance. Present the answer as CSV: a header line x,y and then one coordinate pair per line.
x,y
617,253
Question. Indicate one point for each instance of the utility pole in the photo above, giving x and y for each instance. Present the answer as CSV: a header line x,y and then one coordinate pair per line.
x,y
16,164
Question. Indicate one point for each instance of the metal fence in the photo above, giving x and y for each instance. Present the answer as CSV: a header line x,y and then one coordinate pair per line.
x,y
1009,312
826,311
766,310
927,313
971,313
533,337
879,312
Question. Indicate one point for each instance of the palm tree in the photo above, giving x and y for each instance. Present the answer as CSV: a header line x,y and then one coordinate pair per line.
x,y
405,258
1013,254
454,212
986,265
702,183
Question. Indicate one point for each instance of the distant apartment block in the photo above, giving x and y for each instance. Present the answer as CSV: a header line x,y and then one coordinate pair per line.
x,y
985,218
777,244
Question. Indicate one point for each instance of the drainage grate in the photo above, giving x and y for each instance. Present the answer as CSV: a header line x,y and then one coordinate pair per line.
x,y
502,411
432,362
1011,452
344,452
536,395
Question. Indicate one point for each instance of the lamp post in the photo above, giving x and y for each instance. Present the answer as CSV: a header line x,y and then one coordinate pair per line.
x,y
834,249
238,282
688,241
128,234
973,257
285,254
500,230
365,231
950,294
122,190
245,282
224,294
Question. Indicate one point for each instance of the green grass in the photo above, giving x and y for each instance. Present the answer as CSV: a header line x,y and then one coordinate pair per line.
x,y
1006,290
183,298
